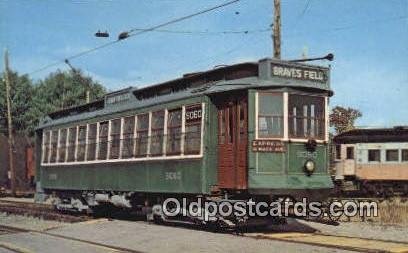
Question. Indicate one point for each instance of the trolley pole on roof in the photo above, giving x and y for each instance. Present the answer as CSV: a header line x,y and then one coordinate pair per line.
x,y
12,174
276,36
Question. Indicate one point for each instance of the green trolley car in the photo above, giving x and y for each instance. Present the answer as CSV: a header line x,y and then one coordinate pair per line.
x,y
255,130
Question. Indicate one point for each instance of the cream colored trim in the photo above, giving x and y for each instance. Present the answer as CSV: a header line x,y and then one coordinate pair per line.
x,y
183,129
108,148
129,160
97,141
149,133
134,136
66,146
256,114
285,116
326,101
86,142
50,147
164,143
76,143
43,146
122,122
202,128
58,145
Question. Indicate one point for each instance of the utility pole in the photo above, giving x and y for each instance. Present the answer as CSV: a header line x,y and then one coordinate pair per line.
x,y
277,29
10,125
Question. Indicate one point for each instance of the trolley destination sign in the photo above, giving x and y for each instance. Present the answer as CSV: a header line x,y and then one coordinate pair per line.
x,y
268,146
301,73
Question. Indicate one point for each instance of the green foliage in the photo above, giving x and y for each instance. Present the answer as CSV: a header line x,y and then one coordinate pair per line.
x,y
343,119
33,101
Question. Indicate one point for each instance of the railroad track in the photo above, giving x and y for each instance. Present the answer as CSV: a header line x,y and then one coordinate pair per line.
x,y
335,241
44,211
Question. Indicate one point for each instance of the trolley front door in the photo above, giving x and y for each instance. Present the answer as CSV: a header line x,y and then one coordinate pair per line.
x,y
233,142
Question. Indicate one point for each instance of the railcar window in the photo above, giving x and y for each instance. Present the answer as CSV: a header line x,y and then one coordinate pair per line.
x,y
90,156
142,131
306,116
156,142
391,155
174,132
54,145
192,141
404,155
374,155
338,152
46,146
270,115
81,144
128,141
350,153
103,140
72,135
115,138
62,145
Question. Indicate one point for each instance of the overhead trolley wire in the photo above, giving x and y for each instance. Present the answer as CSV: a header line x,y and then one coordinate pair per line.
x,y
134,32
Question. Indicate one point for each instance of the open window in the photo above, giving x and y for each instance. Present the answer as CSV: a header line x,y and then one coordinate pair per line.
x,y
72,136
81,143
103,140
115,138
128,139
92,128
46,146
62,150
156,141
192,137
374,155
142,133
174,132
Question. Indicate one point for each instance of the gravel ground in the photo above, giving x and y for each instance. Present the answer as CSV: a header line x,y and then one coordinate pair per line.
x,y
148,237
367,230
28,222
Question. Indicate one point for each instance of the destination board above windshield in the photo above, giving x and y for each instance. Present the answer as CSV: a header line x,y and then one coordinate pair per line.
x,y
295,72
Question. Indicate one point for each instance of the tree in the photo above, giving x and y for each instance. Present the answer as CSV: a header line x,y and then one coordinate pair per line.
x,y
21,94
31,102
343,119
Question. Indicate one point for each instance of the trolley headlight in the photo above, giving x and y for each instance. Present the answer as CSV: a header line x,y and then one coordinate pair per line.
x,y
310,166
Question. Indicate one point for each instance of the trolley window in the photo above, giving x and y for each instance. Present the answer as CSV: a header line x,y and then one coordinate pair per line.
x,y
115,138
338,152
306,116
391,155
103,140
81,143
72,136
142,132
374,155
128,141
270,115
46,146
174,132
350,153
91,142
192,138
62,150
156,143
54,145
404,155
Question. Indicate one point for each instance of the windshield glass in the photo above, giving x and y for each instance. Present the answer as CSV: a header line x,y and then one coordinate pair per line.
x,y
306,116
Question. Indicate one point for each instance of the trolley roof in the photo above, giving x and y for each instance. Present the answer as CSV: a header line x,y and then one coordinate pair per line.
x,y
266,73
374,135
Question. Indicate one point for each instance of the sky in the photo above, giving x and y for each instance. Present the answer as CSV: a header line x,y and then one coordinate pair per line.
x,y
369,39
